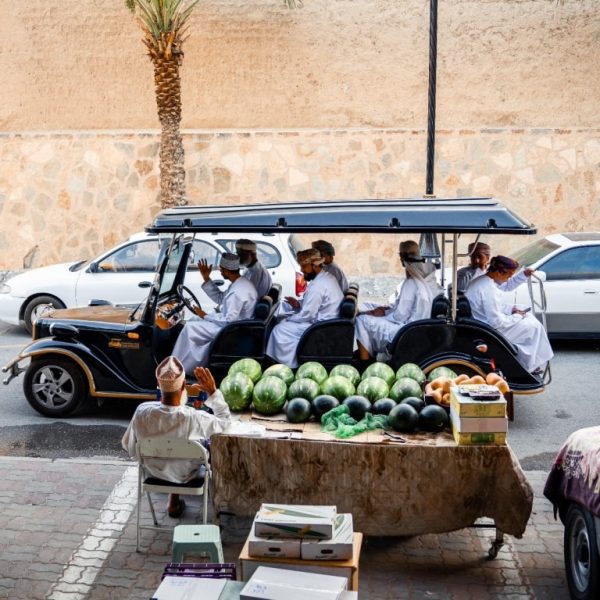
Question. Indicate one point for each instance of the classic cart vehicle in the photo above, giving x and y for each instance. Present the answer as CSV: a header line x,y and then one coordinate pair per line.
x,y
110,351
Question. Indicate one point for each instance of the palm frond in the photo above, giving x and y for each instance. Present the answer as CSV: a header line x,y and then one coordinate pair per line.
x,y
294,3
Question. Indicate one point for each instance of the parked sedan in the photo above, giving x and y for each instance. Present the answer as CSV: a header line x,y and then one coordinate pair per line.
x,y
571,265
122,274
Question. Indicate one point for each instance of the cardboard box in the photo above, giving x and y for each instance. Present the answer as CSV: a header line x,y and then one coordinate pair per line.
x,y
189,588
477,424
288,520
479,439
273,546
339,547
465,406
268,583
341,568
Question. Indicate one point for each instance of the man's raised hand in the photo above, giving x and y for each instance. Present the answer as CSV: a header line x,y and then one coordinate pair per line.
x,y
206,382
204,268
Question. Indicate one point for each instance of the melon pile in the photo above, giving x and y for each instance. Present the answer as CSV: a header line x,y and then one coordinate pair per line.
x,y
442,379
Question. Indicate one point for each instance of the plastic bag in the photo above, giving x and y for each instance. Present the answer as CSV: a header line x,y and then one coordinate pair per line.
x,y
338,422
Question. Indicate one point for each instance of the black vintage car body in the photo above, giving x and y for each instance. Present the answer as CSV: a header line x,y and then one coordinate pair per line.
x,y
110,351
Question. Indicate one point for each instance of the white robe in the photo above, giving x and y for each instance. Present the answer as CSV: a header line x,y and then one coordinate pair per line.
x,y
260,278
412,303
193,344
526,333
157,420
338,274
465,275
321,301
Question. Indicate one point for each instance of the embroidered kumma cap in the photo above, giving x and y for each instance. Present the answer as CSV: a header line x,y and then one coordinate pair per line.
x,y
311,256
244,244
503,264
479,247
324,246
170,375
229,261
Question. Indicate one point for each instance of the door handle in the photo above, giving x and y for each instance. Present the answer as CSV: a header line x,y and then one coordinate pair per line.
x,y
591,291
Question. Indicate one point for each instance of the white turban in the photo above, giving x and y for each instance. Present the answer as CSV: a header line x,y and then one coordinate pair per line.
x,y
311,256
170,375
229,261
248,245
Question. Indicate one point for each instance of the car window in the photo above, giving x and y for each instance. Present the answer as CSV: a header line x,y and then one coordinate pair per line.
x,y
266,253
135,257
575,263
535,251
208,252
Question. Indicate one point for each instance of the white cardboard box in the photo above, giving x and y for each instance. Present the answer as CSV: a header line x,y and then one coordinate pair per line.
x,y
289,520
189,588
273,546
339,547
282,584
477,424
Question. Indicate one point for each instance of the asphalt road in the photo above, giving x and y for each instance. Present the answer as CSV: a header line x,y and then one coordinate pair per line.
x,y
541,423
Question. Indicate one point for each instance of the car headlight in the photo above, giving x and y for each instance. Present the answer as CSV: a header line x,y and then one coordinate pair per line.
x,y
5,289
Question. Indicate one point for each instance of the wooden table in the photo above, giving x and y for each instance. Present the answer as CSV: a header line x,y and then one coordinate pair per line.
x,y
426,485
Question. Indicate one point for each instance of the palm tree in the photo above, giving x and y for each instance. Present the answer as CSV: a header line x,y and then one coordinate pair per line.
x,y
163,23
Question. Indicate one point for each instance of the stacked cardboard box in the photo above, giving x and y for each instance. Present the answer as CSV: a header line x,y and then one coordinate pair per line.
x,y
478,415
305,532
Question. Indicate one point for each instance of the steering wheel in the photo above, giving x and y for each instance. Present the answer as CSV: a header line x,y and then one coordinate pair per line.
x,y
191,302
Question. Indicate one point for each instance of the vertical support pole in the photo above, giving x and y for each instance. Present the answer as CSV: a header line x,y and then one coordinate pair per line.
x,y
454,270
431,96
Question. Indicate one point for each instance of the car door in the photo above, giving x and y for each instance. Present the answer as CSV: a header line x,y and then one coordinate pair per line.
x,y
573,291
117,275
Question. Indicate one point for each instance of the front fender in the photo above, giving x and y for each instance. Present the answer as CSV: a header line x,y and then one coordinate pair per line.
x,y
102,378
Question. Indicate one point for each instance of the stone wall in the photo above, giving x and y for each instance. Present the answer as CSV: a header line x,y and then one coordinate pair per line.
x,y
65,196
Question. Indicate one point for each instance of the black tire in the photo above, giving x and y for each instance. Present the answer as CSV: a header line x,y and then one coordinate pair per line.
x,y
35,305
54,386
582,563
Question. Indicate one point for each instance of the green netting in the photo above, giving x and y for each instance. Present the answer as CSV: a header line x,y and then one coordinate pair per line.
x,y
339,422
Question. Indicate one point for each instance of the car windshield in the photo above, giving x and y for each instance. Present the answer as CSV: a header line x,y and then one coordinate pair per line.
x,y
534,252
170,273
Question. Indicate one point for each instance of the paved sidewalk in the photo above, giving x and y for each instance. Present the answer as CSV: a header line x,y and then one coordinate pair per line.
x,y
67,531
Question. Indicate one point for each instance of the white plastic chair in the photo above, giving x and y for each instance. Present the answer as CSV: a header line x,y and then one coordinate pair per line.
x,y
175,449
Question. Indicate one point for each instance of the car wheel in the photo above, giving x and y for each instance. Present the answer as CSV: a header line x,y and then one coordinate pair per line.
x,y
36,306
54,386
582,562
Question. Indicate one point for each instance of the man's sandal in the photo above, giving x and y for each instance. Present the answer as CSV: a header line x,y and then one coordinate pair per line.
x,y
175,513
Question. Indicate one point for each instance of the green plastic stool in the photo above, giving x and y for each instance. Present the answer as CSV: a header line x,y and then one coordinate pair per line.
x,y
197,539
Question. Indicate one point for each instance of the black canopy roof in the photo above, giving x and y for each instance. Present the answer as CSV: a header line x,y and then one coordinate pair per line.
x,y
442,215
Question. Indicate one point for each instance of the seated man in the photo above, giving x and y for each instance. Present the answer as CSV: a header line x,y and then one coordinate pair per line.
x,y
171,418
255,272
321,301
328,252
237,303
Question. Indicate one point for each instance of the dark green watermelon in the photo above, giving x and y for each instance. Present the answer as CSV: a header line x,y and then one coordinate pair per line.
x,y
298,410
338,386
383,406
347,371
381,370
417,403
433,418
373,388
304,388
269,395
358,406
324,403
405,387
403,418
411,370
313,370
441,372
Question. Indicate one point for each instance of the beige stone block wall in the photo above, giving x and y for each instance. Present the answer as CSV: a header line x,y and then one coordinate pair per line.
x,y
65,196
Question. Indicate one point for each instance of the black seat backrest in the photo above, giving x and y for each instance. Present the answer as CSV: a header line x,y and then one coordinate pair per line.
x,y
275,293
463,308
440,307
348,307
263,308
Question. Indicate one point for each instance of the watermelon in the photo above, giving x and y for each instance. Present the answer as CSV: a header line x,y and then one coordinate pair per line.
x,y
237,390
298,410
358,406
338,386
405,387
417,403
304,388
313,370
282,371
403,417
381,370
433,418
441,372
248,366
347,371
373,388
269,395
383,406
411,370
324,403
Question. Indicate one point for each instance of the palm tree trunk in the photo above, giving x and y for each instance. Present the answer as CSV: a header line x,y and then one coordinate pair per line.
x,y
168,102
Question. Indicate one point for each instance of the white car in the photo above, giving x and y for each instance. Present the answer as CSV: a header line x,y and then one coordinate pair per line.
x,y
122,274
570,263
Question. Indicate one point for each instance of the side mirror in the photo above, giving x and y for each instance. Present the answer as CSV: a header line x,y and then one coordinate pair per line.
x,y
144,284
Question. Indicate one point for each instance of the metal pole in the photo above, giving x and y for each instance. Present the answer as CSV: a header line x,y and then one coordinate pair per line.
x,y
431,95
